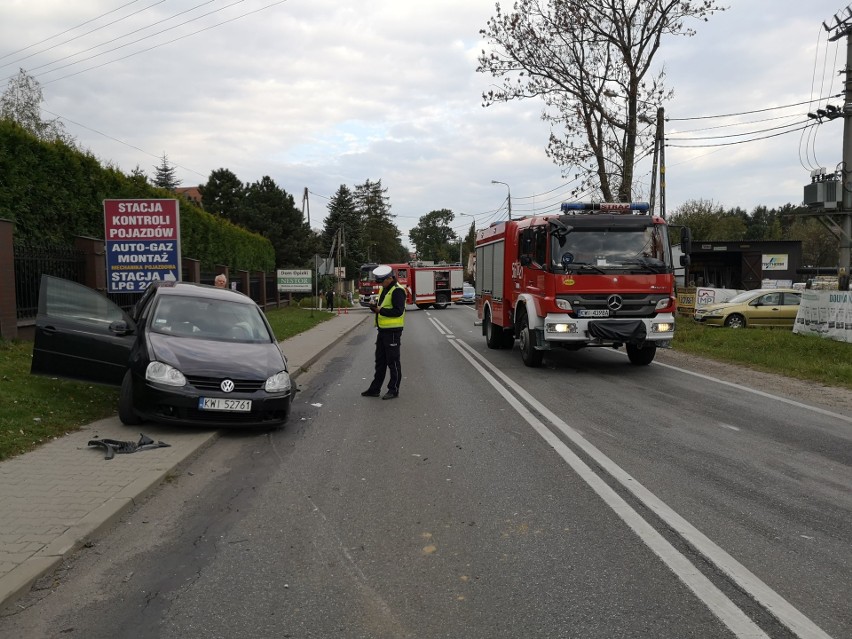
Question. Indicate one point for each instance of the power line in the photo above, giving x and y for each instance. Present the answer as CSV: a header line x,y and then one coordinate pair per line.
x,y
127,144
162,44
82,35
733,124
97,55
738,135
766,137
730,115
82,24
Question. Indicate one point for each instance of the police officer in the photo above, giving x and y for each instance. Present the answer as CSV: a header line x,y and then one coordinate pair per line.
x,y
390,317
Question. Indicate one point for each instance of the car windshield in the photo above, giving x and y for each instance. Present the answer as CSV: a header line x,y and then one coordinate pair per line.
x,y
468,291
217,320
643,249
739,298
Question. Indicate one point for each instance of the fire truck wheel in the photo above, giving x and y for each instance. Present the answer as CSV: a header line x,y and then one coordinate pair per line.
x,y
441,306
530,356
641,355
423,307
493,334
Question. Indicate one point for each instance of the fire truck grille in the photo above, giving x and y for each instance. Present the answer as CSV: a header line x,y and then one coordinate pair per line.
x,y
618,305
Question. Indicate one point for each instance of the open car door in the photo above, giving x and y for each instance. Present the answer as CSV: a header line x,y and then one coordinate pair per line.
x,y
80,334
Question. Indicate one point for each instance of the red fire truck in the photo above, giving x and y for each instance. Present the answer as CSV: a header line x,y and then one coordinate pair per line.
x,y
426,284
598,274
368,289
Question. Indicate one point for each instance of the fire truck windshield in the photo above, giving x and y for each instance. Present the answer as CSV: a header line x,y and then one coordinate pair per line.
x,y
633,248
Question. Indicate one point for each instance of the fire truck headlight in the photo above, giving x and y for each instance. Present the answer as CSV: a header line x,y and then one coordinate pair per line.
x,y
561,328
662,327
665,304
564,305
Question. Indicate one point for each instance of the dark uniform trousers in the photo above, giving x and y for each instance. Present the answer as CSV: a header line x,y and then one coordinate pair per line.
x,y
388,343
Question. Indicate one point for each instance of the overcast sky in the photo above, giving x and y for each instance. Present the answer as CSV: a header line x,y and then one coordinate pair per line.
x,y
319,93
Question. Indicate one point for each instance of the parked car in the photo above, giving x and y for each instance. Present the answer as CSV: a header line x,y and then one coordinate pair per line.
x,y
187,353
761,307
468,295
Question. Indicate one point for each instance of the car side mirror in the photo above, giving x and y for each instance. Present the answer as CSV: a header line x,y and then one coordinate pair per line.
x,y
685,260
120,327
686,240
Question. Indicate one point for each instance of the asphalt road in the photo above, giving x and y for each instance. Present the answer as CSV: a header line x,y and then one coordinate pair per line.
x,y
585,499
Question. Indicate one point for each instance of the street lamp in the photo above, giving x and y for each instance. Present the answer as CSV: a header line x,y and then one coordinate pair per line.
x,y
461,239
509,199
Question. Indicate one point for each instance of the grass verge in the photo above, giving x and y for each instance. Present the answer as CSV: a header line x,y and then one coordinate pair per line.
x,y
35,409
773,350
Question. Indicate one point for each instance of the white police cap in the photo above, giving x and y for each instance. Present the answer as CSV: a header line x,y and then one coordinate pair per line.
x,y
382,272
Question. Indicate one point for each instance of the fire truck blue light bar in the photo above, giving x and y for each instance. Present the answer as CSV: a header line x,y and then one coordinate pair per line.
x,y
605,206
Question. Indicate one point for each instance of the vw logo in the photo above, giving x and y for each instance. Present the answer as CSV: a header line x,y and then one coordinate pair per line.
x,y
614,302
227,386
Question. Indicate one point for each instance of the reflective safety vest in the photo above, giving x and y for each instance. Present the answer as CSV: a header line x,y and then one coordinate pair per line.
x,y
383,321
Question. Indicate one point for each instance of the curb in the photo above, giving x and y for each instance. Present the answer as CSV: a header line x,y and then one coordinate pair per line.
x,y
334,337
18,581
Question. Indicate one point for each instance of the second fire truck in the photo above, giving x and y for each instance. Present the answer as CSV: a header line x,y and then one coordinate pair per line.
x,y
426,284
599,274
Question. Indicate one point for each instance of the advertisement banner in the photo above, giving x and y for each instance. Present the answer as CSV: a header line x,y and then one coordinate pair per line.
x,y
775,262
142,243
294,281
825,313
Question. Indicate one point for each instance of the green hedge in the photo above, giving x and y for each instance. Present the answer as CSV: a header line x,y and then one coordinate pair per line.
x,y
53,192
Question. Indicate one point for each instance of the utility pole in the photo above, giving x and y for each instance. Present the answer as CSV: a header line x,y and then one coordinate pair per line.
x,y
843,28
659,161
306,205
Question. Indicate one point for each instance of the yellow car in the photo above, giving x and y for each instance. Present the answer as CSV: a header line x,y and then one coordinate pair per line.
x,y
761,307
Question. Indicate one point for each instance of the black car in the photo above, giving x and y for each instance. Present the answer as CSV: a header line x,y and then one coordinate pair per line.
x,y
186,354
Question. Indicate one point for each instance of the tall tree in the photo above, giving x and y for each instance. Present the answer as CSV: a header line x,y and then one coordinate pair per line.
x,y
21,102
381,237
820,247
764,224
271,212
165,176
223,194
343,220
591,64
709,221
433,238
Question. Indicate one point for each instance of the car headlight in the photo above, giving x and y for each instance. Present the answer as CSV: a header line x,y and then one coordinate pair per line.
x,y
164,374
278,383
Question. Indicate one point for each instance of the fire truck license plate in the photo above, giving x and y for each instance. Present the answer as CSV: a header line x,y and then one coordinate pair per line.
x,y
596,312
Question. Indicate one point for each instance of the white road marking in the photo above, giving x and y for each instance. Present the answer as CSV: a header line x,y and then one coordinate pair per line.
x,y
777,398
440,325
716,601
728,426
726,611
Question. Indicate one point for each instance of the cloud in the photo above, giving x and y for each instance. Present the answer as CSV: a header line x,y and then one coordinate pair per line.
x,y
323,93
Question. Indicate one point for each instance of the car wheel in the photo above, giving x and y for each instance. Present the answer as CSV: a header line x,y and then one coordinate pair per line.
x,y
530,356
126,413
735,320
641,355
